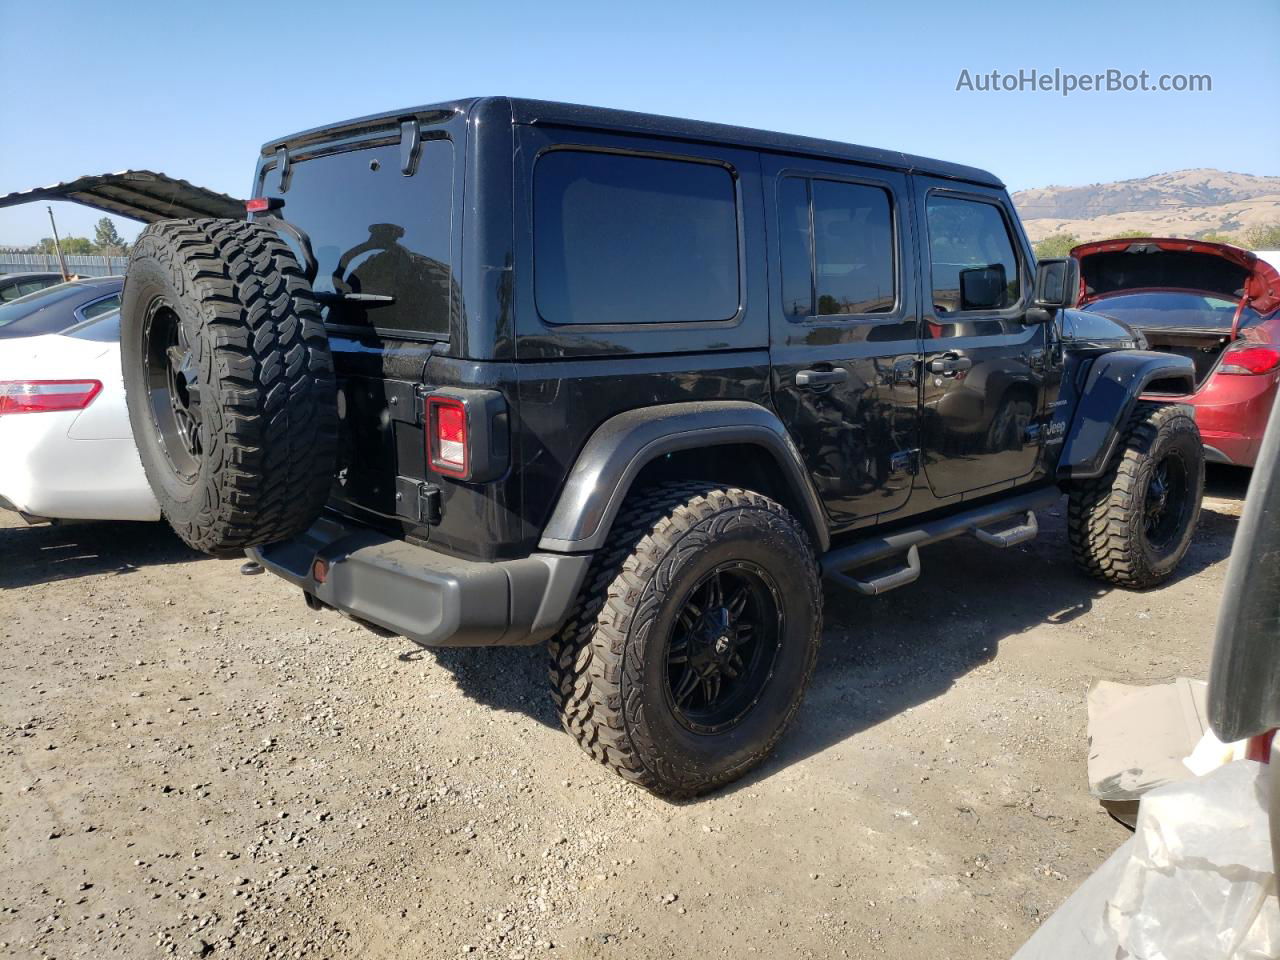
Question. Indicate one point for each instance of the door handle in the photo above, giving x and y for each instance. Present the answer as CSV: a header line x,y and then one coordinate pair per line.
x,y
949,363
821,378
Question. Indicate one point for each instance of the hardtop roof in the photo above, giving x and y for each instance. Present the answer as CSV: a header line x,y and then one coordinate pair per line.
x,y
525,111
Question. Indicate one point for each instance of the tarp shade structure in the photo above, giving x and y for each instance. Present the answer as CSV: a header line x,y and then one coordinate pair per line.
x,y
138,195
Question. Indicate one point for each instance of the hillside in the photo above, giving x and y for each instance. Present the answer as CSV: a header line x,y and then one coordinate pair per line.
x,y
1182,203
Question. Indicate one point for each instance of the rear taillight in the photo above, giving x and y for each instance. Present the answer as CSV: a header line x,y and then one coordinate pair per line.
x,y
46,396
447,436
1246,359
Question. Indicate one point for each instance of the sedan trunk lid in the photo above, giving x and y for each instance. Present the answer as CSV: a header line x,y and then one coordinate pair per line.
x,y
1161,263
1188,297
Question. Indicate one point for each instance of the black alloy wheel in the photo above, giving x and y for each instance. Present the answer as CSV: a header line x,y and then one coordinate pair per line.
x,y
723,646
1167,502
688,653
173,386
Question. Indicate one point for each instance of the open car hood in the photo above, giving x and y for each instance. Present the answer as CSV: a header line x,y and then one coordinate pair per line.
x,y
137,194
1162,263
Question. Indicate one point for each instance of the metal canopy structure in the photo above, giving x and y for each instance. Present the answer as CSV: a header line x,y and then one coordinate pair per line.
x,y
137,194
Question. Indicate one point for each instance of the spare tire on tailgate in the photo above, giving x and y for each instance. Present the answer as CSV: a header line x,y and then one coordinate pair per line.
x,y
229,382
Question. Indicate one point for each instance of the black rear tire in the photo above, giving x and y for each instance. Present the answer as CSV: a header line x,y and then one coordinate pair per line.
x,y
1133,525
624,667
229,382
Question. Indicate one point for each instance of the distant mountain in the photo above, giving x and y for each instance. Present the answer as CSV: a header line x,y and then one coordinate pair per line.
x,y
1182,203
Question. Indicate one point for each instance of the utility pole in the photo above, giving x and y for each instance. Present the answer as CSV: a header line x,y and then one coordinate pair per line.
x,y
57,245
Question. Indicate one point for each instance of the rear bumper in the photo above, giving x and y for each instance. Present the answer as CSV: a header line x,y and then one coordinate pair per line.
x,y
1232,412
430,598
44,472
1234,451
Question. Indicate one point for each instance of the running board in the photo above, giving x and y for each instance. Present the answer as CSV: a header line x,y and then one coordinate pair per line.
x,y
906,542
1010,536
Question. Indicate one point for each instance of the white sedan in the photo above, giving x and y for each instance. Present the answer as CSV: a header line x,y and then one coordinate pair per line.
x,y
66,449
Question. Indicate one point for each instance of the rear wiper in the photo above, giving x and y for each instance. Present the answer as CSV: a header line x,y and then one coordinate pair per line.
x,y
367,300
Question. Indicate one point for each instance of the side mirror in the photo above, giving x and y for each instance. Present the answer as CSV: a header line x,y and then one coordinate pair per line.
x,y
983,288
1057,283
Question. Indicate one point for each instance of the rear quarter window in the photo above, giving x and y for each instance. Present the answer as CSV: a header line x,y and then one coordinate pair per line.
x,y
100,307
624,239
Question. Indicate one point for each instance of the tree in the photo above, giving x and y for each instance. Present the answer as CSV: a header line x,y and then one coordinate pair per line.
x,y
107,239
1262,237
71,246
1217,236
1125,234
1057,245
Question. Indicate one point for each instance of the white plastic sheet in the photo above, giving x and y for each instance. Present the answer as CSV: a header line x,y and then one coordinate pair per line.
x,y
1195,882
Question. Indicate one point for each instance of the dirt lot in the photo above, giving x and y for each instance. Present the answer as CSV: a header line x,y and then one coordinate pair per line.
x,y
195,764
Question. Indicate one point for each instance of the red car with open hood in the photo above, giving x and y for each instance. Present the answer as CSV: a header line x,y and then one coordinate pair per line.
x,y
1212,302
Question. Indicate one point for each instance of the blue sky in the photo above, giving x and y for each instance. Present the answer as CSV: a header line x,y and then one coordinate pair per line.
x,y
194,89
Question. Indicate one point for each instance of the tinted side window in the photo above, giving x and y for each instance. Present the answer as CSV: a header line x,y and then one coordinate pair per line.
x,y
967,235
796,241
837,248
627,239
102,306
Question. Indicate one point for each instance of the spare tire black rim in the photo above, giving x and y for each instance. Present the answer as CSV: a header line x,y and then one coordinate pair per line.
x,y
1168,502
723,645
173,386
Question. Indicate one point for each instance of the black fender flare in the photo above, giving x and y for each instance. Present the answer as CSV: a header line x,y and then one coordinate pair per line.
x,y
620,447
1113,384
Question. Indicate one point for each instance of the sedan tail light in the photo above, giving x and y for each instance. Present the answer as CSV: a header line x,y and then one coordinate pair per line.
x,y
1248,359
46,396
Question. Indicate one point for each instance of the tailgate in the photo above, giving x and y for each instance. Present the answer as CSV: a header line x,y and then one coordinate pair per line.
x,y
382,242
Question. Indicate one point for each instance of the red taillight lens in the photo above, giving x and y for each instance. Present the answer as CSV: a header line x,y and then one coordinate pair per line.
x,y
46,396
447,436
1249,360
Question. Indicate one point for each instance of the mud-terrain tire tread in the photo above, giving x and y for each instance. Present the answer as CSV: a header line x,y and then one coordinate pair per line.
x,y
603,636
1104,513
271,435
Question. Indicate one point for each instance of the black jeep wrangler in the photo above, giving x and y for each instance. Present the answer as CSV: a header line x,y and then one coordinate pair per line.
x,y
499,371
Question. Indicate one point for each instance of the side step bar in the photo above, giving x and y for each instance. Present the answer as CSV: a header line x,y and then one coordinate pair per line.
x,y
836,563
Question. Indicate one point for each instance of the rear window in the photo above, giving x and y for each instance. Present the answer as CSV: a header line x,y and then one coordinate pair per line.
x,y
32,303
1174,311
375,231
629,239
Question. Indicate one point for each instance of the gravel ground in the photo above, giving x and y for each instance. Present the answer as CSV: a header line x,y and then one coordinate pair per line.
x,y
194,764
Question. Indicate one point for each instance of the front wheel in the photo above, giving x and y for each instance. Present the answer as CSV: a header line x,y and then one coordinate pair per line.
x,y
695,639
1133,525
